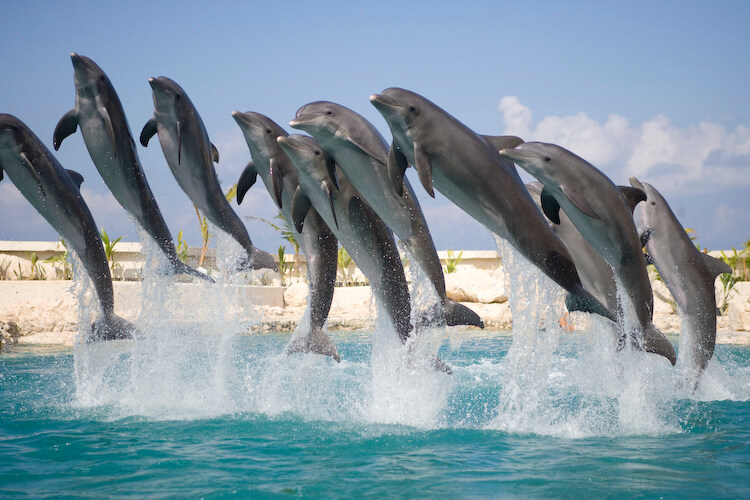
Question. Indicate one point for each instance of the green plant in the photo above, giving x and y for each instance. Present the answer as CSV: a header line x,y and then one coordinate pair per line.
x,y
288,233
205,235
19,273
452,261
4,270
63,268
729,280
37,271
181,248
109,249
284,266
344,259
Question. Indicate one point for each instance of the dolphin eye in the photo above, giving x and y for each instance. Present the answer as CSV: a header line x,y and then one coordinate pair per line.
x,y
547,158
653,203
101,78
329,112
317,153
268,131
412,109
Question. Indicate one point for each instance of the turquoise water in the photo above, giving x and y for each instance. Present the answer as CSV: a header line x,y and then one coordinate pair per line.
x,y
232,416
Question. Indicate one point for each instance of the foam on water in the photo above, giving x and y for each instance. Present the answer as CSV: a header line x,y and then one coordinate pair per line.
x,y
191,363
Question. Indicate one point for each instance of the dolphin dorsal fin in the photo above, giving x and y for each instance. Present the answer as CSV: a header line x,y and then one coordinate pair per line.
x,y
397,166
579,201
214,153
300,206
77,178
277,183
424,168
65,127
633,196
715,266
499,142
550,206
247,179
149,130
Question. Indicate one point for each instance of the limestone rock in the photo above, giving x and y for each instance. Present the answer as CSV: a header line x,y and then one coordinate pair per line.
x,y
475,285
296,295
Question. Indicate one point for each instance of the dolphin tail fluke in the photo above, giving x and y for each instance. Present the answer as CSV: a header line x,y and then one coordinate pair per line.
x,y
657,343
112,327
458,314
586,302
179,267
260,259
317,342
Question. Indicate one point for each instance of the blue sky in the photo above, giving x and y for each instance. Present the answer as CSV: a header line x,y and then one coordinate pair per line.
x,y
655,89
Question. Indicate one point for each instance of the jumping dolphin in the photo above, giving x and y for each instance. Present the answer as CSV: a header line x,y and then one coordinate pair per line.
x,y
601,213
317,241
360,151
360,230
190,156
688,274
107,135
54,192
596,275
468,170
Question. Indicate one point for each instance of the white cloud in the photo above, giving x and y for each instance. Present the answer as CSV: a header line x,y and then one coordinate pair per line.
x,y
699,157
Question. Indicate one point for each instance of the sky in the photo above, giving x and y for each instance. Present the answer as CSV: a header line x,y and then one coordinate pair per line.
x,y
653,89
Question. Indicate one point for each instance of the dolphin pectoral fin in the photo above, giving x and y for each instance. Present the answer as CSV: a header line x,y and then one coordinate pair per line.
x,y
329,191
585,302
378,157
645,236
1,173
277,182
109,128
317,342
214,153
579,201
633,196
424,168
503,141
300,206
77,178
715,266
149,130
34,174
657,343
65,127
550,206
179,142
331,167
458,314
397,166
247,179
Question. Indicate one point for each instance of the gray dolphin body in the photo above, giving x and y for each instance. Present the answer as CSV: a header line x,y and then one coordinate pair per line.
x,y
596,275
688,273
468,170
105,131
55,194
361,152
358,228
190,155
318,243
599,210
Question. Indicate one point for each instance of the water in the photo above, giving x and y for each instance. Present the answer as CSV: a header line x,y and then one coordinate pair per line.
x,y
198,408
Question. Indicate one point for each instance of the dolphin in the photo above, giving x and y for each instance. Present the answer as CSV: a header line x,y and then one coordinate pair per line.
x,y
190,155
318,243
360,151
55,194
105,131
468,170
355,224
601,213
688,273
